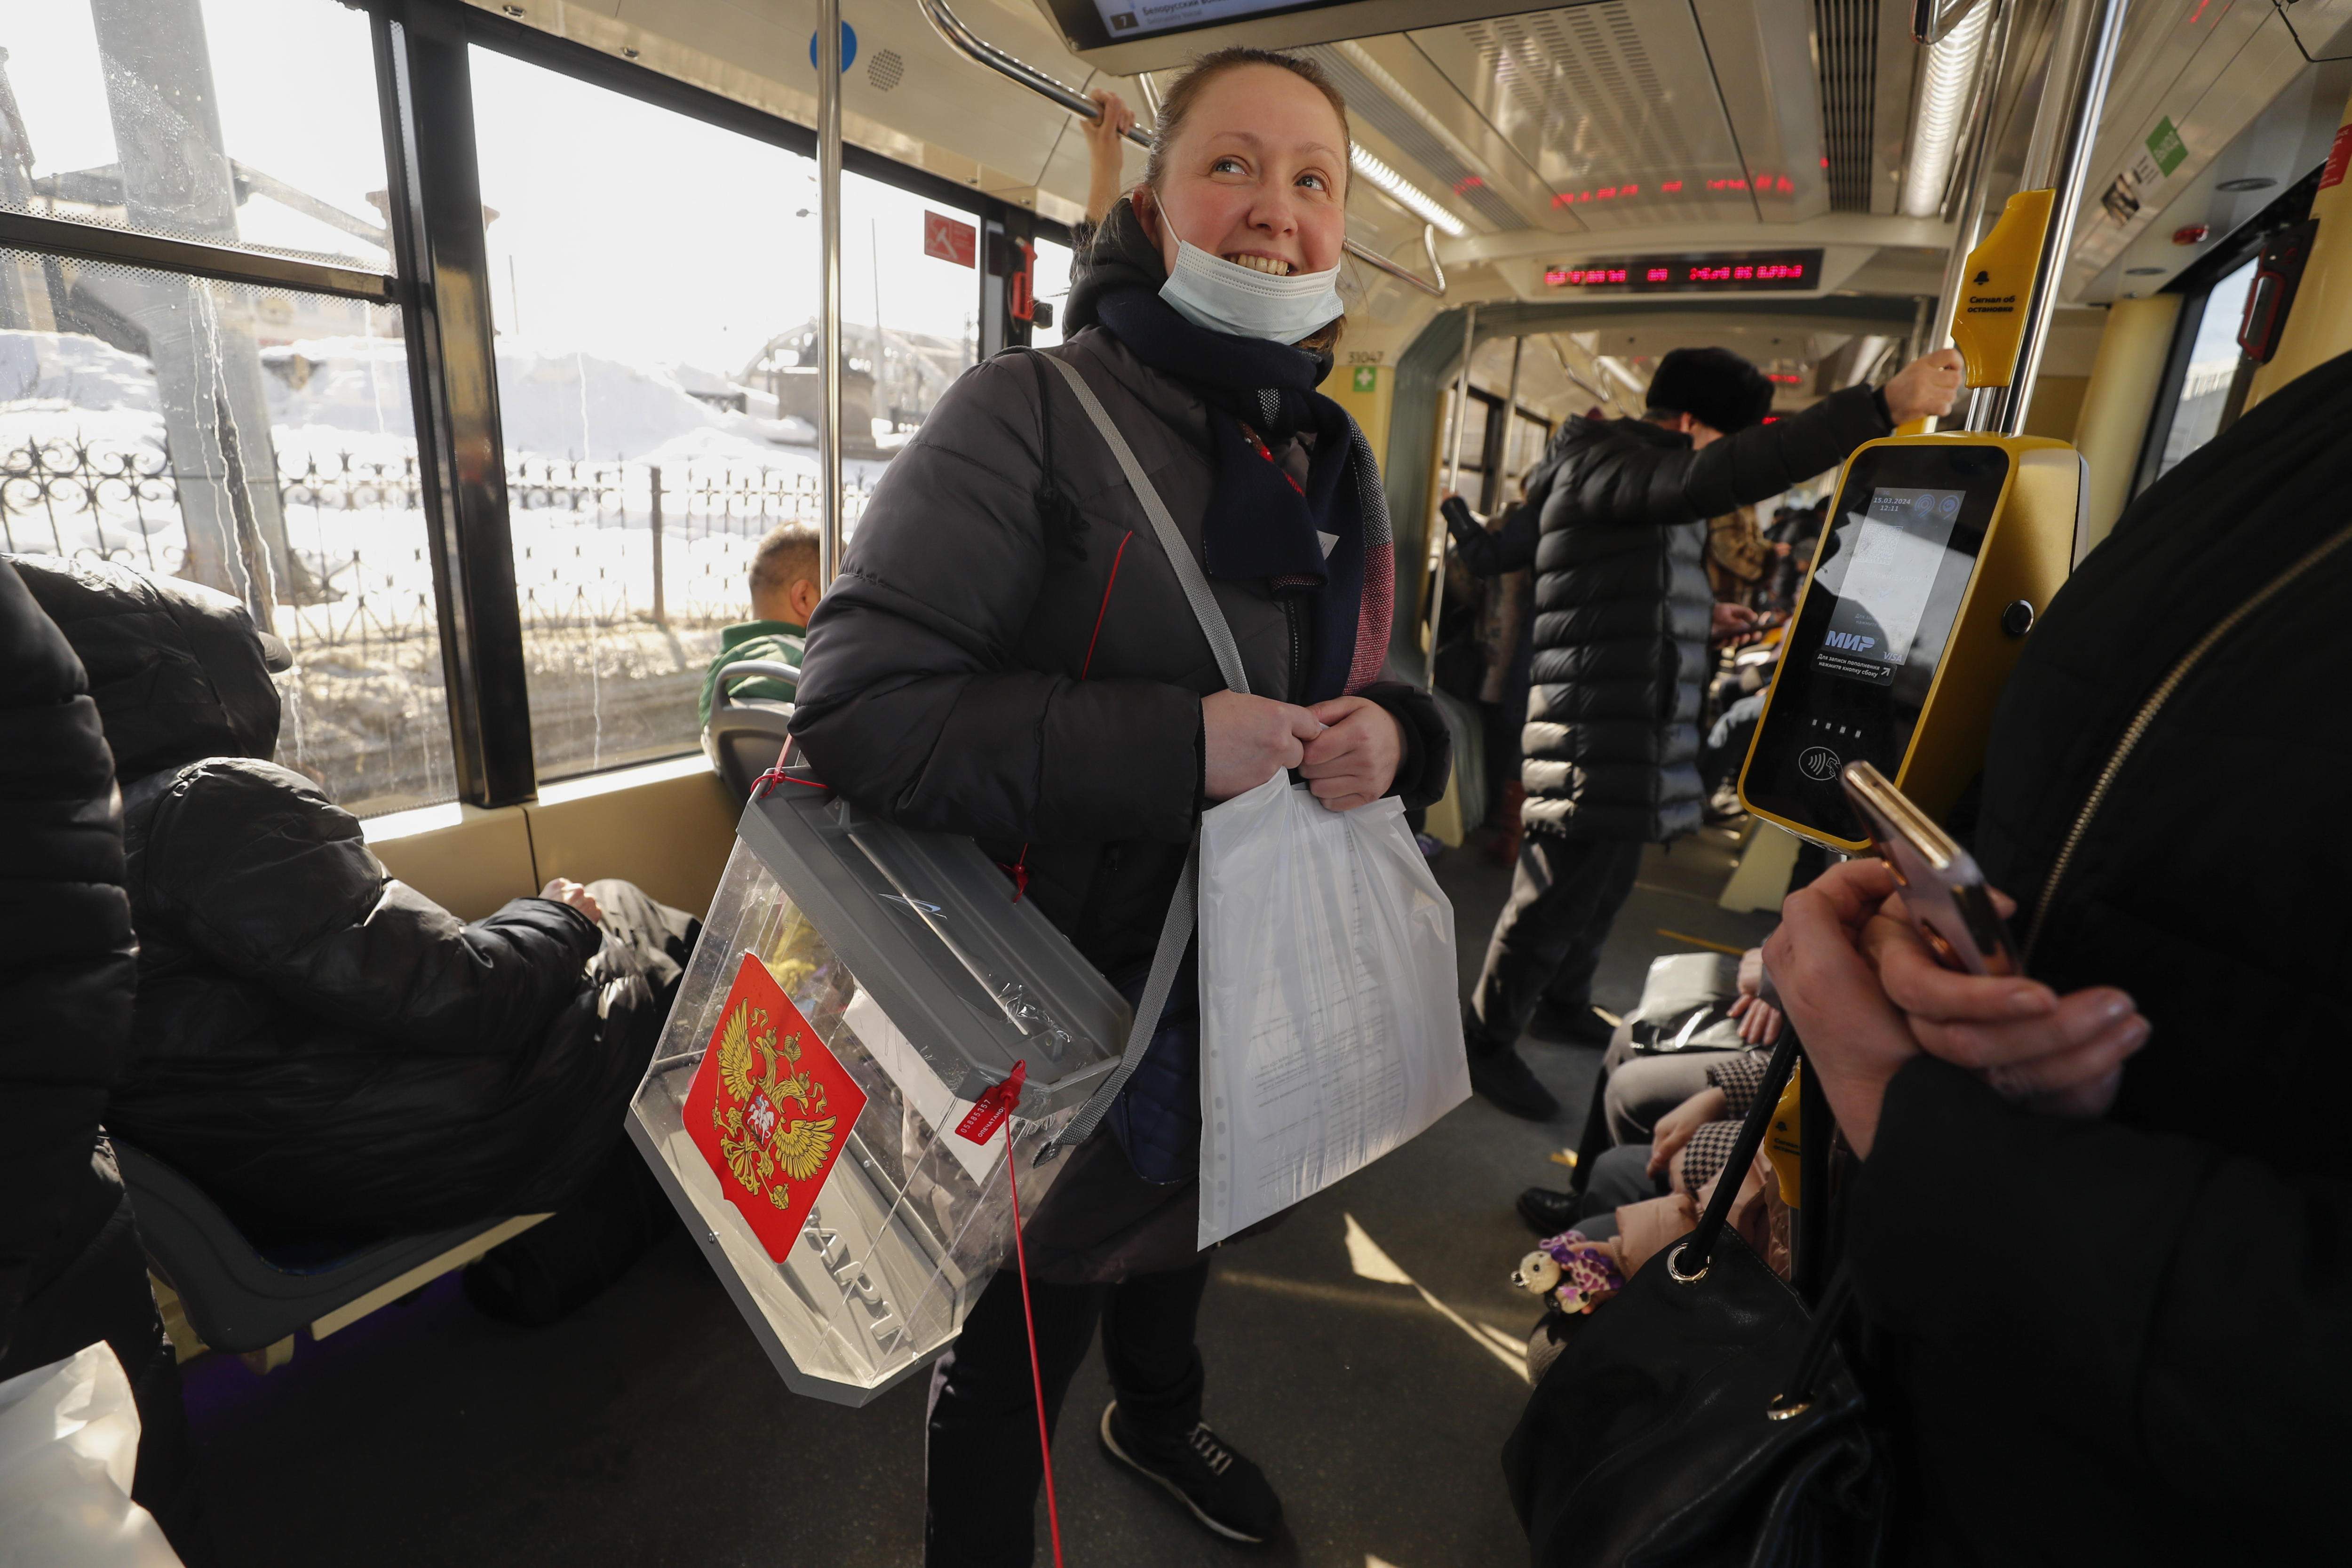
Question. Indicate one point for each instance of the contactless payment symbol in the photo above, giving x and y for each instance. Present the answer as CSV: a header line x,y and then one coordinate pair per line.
x,y
770,1108
1819,763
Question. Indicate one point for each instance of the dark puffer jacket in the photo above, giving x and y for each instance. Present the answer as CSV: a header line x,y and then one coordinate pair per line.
x,y
965,673
66,956
317,1044
2170,1312
71,1271
1617,534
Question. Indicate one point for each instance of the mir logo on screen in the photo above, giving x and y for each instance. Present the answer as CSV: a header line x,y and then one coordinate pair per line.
x,y
1851,642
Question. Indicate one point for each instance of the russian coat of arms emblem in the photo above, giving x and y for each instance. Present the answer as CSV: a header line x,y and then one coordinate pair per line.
x,y
770,1108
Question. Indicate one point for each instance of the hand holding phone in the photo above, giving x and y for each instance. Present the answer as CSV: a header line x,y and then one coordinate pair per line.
x,y
1943,892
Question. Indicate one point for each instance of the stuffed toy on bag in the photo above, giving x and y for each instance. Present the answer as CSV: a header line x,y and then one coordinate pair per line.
x,y
1573,1275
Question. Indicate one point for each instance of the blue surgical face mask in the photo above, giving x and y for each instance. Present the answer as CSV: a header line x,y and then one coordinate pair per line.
x,y
1226,297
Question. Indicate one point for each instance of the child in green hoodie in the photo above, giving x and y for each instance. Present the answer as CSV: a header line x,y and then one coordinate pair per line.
x,y
784,591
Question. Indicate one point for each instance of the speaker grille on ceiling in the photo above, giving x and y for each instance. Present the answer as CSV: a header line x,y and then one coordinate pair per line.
x,y
1367,103
1586,79
1848,32
883,71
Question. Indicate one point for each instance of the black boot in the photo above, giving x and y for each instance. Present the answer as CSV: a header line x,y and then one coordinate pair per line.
x,y
1547,1213
1496,1072
567,1259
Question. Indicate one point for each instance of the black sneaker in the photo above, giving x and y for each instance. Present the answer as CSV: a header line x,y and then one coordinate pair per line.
x,y
1564,1027
1506,1082
1224,1490
1547,1213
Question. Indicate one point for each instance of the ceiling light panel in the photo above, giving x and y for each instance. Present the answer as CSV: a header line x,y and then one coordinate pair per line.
x,y
1375,103
1944,88
1613,104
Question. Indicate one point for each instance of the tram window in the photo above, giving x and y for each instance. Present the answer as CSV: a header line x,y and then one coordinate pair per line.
x,y
1050,277
654,287
287,92
257,441
2204,399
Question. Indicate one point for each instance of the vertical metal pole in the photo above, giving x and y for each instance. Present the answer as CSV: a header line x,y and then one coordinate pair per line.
x,y
828,327
661,606
1435,565
1816,1133
2059,160
1501,467
1461,401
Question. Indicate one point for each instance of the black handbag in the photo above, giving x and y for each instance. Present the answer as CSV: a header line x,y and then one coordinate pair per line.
x,y
1703,1415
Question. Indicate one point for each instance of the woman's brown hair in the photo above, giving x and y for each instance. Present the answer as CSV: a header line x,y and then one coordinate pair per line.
x,y
1173,108
1178,104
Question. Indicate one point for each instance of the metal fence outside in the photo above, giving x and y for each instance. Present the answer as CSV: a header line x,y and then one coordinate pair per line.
x,y
626,570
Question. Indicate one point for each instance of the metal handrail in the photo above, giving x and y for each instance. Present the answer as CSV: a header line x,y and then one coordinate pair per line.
x,y
829,355
1932,21
971,46
2059,160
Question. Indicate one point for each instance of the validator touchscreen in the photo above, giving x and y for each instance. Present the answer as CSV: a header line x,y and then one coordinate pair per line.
x,y
1876,619
1882,580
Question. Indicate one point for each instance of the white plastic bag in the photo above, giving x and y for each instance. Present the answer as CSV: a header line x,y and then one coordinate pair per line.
x,y
1330,1031
68,1443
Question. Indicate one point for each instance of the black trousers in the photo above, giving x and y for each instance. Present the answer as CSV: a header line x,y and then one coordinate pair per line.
x,y
1565,894
982,1468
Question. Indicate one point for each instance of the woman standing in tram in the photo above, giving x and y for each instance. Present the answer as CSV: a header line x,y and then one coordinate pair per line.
x,y
1008,653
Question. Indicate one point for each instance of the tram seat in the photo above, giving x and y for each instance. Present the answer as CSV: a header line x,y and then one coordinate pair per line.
x,y
239,1297
746,735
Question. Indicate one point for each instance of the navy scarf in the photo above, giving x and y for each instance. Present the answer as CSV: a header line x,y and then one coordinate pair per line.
x,y
1261,523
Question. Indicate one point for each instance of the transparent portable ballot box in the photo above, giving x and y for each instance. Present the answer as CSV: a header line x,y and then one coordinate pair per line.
x,y
857,988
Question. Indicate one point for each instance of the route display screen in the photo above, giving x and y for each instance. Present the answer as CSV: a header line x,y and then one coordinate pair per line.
x,y
1730,272
1894,563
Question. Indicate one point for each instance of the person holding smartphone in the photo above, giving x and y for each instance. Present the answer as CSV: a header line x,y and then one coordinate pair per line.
x,y
2102,1223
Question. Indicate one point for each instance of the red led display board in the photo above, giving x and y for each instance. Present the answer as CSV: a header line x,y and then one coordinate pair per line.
x,y
1735,272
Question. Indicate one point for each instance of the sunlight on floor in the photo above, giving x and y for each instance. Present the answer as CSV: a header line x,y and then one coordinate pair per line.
x,y
1369,1262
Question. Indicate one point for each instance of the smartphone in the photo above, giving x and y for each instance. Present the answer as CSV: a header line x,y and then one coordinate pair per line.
x,y
1946,894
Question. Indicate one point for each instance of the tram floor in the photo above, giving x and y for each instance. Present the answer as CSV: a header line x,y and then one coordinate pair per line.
x,y
1366,1353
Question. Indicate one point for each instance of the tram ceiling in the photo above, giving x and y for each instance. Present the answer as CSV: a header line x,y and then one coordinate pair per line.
x,y
1607,118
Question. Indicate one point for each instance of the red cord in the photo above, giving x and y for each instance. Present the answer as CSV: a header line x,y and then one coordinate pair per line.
x,y
1037,1376
1104,609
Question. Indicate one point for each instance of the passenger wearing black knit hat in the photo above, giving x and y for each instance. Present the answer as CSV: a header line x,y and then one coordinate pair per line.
x,y
1625,615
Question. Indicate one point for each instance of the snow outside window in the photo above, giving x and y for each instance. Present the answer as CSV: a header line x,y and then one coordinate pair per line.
x,y
654,288
249,124
257,441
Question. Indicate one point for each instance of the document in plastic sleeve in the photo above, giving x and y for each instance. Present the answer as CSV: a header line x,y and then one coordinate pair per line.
x,y
1329,1030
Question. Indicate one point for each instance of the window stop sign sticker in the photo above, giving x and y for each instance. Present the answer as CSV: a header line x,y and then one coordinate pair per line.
x,y
950,239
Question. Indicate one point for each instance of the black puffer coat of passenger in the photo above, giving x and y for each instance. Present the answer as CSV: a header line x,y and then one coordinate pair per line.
x,y
1622,605
317,1044
67,955
2128,1339
968,673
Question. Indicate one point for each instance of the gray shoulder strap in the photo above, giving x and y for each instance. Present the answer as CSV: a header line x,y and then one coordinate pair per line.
x,y
1176,932
1171,539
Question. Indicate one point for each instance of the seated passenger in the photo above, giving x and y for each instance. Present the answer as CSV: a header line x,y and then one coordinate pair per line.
x,y
320,1047
784,591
